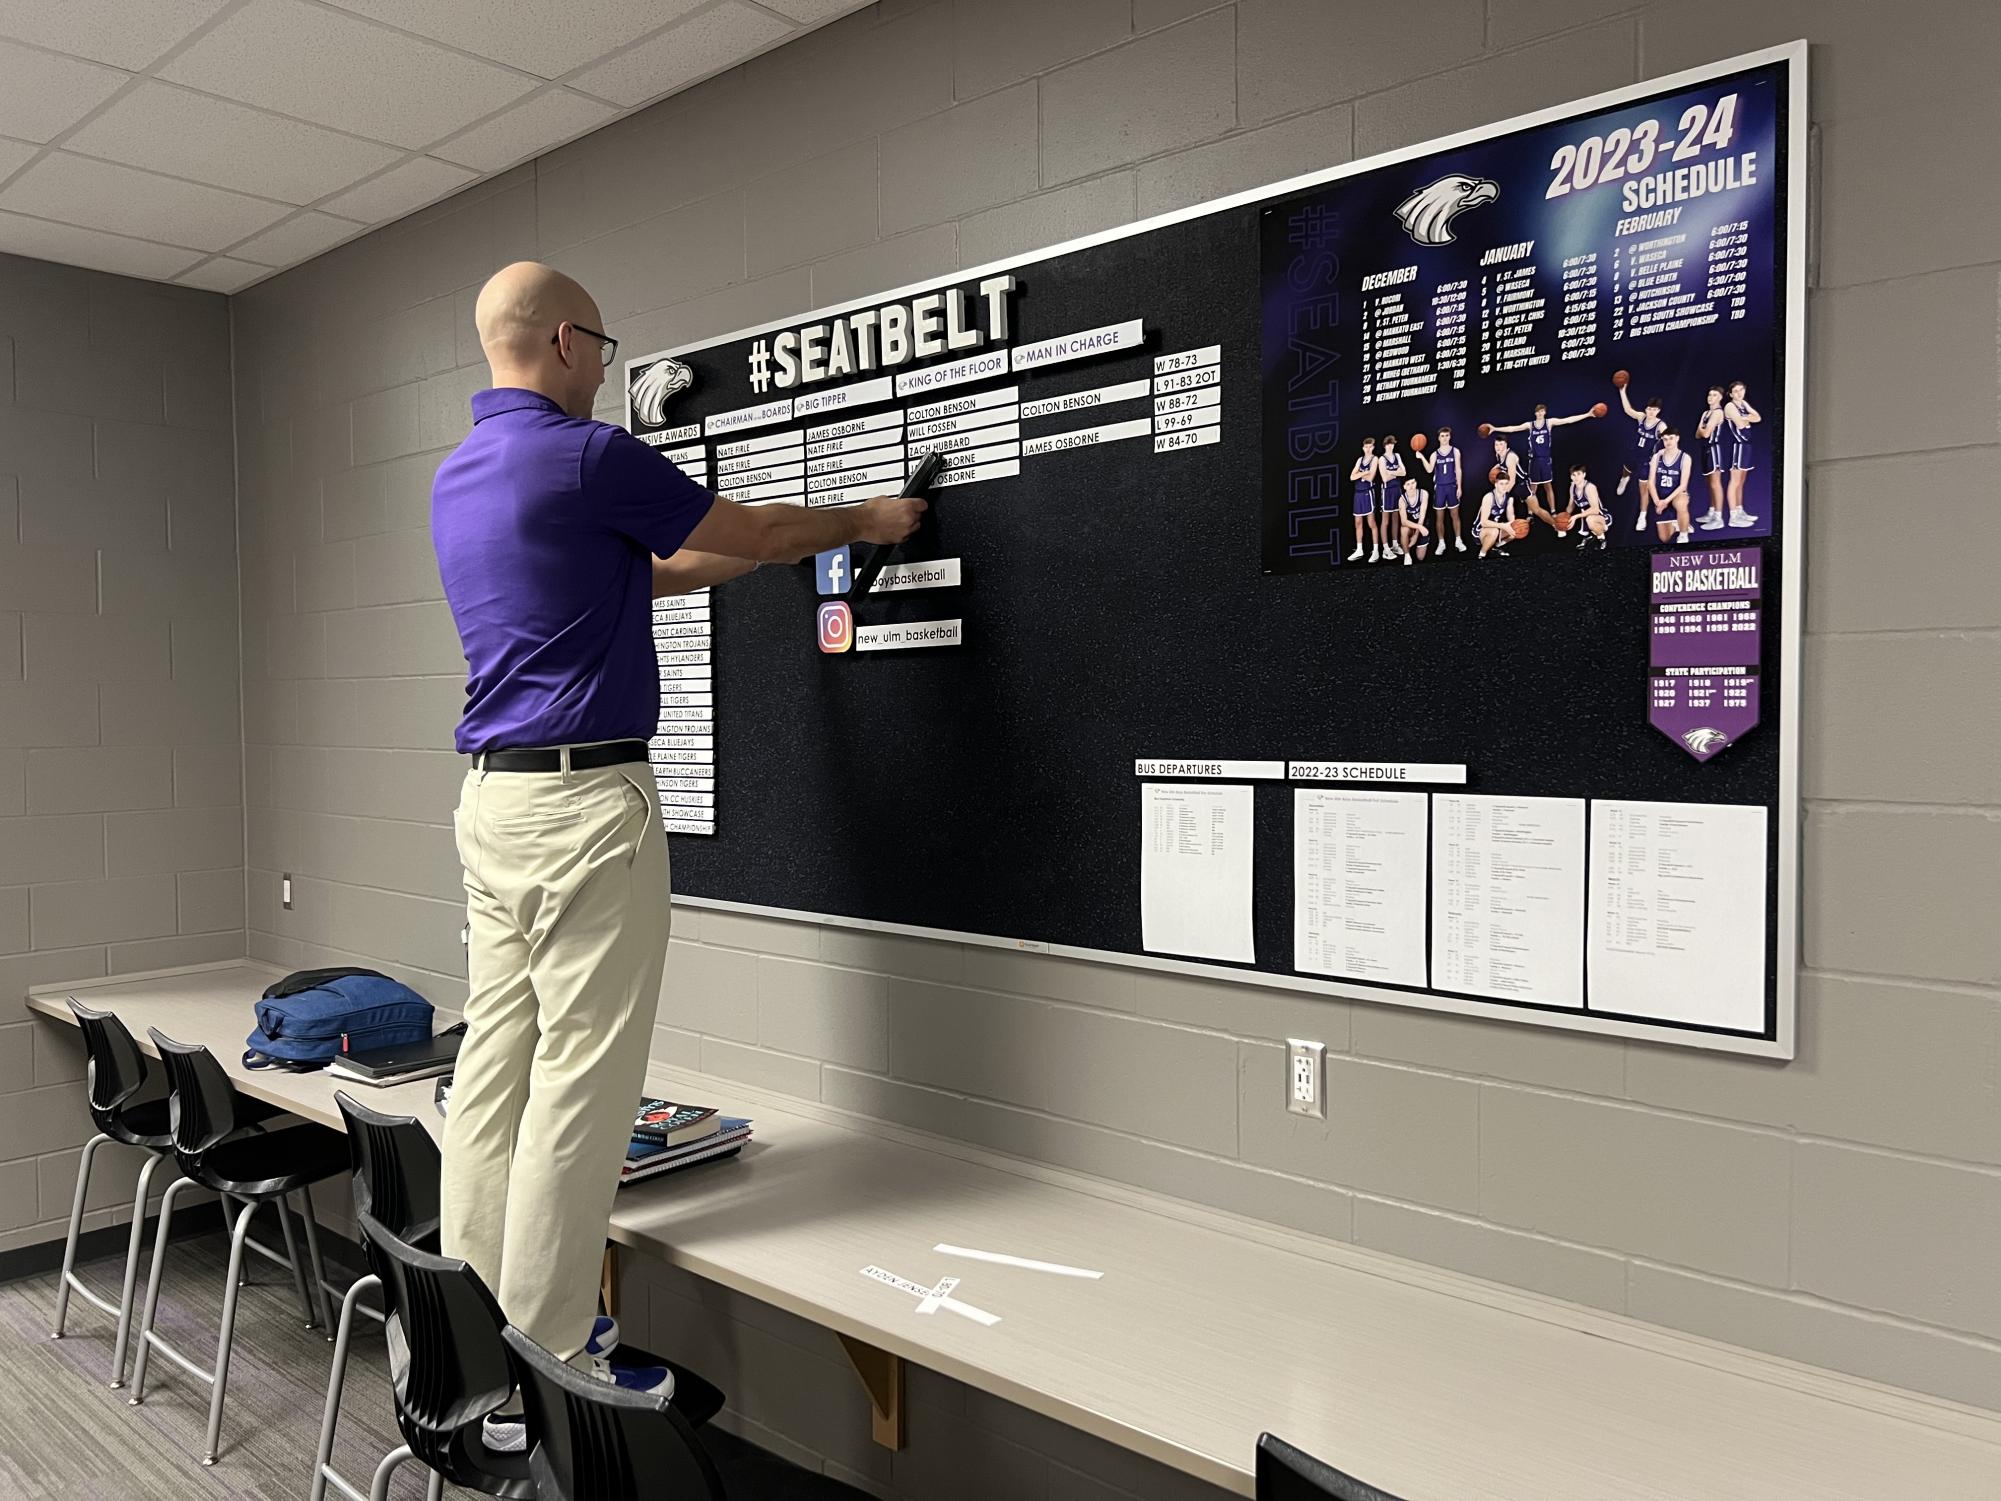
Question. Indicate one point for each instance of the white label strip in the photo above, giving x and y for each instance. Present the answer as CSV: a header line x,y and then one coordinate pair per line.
x,y
1187,380
905,1285
767,458
1243,771
964,422
1004,432
687,826
1055,1268
1187,359
684,784
864,393
901,578
870,474
847,495
678,601
681,720
1083,437
1175,422
685,679
890,454
683,457
901,1284
687,800
667,629
1077,401
1376,771
938,1294
688,654
1005,469
1080,345
687,700
671,436
681,757
784,489
855,443
912,634
1187,401
750,479
849,426
682,742
979,367
680,613
972,458
763,443
1194,437
953,406
748,417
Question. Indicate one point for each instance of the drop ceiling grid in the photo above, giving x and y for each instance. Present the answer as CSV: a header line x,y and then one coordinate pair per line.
x,y
265,132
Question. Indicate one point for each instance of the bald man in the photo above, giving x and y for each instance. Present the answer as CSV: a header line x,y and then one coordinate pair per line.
x,y
554,534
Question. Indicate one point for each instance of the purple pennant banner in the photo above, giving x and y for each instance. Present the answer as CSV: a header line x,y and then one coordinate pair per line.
x,y
1707,625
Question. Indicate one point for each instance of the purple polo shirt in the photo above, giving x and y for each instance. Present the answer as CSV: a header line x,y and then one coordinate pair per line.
x,y
546,527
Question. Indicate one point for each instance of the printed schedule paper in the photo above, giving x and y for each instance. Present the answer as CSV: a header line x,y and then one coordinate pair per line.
x,y
1507,898
1678,912
1195,871
1358,884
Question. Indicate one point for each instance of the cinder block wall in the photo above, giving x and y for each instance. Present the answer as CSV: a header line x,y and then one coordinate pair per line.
x,y
1842,1210
121,775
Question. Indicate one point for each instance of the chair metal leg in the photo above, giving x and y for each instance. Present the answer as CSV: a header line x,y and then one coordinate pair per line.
x,y
75,1229
153,1160
153,1288
292,1256
336,1379
436,1490
317,1269
227,1337
393,1461
228,1207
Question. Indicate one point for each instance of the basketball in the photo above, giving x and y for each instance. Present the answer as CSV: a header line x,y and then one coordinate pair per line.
x,y
1599,409
1519,528
1494,475
1565,521
1417,442
1486,429
1619,379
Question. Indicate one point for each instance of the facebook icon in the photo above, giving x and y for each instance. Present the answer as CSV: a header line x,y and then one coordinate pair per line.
x,y
834,571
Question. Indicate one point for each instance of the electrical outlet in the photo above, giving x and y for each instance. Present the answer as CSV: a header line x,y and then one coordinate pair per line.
x,y
285,890
1306,1078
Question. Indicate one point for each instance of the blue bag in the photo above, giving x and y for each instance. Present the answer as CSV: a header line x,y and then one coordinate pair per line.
x,y
308,1019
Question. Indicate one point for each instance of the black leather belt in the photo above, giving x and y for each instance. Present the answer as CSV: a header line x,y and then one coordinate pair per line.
x,y
583,758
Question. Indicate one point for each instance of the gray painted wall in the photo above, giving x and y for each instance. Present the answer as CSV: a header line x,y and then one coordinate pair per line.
x,y
1842,1210
121,774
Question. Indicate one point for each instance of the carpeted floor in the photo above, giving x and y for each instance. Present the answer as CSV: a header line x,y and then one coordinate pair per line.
x,y
64,1434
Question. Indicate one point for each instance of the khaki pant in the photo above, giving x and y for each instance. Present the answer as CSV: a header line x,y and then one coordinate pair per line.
x,y
567,902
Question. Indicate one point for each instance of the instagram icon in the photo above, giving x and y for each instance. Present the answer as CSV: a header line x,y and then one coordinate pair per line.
x,y
837,626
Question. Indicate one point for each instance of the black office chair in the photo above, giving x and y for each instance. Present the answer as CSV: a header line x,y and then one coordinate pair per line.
x,y
1289,1474
115,1075
451,1372
253,1168
590,1441
396,1179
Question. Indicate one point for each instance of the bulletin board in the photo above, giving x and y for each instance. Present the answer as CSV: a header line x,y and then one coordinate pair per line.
x,y
1179,674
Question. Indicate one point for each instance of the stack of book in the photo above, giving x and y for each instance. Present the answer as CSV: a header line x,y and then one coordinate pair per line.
x,y
667,1136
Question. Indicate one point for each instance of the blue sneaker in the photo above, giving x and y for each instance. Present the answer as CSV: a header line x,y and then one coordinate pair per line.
x,y
653,1380
604,1337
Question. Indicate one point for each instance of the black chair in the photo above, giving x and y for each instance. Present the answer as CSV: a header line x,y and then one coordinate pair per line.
x,y
1289,1474
115,1075
590,1441
250,1167
396,1180
451,1373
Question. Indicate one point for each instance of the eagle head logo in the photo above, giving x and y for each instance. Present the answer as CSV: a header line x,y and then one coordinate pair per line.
x,y
658,384
1427,214
1705,741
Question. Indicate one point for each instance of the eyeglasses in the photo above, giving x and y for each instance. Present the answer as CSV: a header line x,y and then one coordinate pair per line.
x,y
607,345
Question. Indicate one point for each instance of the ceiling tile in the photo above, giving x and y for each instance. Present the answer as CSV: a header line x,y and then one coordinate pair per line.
x,y
126,201
548,40
89,247
42,95
400,190
338,70
13,154
548,119
296,239
230,145
118,32
695,48
223,275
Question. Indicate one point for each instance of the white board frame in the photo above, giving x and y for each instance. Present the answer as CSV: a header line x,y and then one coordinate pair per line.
x,y
1794,271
